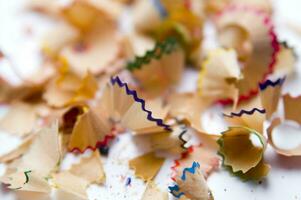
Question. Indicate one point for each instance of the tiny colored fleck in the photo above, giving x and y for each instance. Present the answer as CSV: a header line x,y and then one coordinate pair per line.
x,y
128,181
104,150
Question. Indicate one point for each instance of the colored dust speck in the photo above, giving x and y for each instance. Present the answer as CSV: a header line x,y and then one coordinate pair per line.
x,y
128,181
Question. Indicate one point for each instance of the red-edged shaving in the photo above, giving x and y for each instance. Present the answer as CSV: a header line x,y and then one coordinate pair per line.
x,y
267,21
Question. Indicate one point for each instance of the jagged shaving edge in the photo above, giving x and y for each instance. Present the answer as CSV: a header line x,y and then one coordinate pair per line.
x,y
175,188
238,173
269,83
110,137
274,44
98,144
190,170
245,112
26,174
133,93
181,137
177,162
161,48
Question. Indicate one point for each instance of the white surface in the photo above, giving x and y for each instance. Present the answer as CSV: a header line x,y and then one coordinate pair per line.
x,y
287,135
284,180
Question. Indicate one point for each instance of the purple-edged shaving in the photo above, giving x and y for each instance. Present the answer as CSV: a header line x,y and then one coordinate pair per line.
x,y
245,112
133,93
269,83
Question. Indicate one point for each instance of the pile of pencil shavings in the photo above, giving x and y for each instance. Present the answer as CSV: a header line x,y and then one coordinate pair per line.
x,y
98,82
